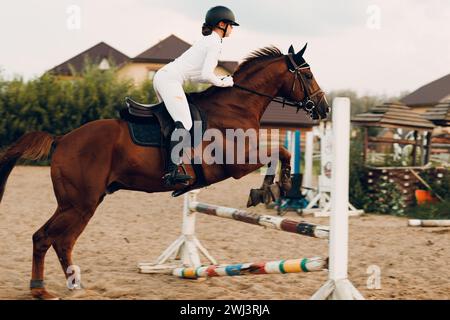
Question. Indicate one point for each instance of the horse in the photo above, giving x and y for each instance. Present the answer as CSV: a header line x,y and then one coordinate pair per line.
x,y
99,157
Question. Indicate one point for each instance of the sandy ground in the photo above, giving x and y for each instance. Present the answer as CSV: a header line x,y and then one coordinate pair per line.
x,y
130,227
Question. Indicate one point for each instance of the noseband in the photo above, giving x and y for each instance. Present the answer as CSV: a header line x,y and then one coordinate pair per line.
x,y
306,103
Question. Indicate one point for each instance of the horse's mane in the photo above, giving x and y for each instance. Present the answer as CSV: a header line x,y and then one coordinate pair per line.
x,y
260,55
263,54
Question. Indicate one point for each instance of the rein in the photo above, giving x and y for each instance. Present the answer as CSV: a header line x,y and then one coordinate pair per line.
x,y
276,99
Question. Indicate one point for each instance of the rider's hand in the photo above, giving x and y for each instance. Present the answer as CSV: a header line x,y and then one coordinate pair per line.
x,y
227,81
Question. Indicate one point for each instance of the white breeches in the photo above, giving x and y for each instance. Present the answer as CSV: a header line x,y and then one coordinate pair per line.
x,y
168,86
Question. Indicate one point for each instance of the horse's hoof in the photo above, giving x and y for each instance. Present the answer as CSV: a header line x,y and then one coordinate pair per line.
x,y
255,197
266,194
43,294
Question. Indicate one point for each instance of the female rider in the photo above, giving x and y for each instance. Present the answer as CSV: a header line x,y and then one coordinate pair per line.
x,y
197,64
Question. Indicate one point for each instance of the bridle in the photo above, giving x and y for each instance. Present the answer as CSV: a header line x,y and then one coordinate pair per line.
x,y
306,103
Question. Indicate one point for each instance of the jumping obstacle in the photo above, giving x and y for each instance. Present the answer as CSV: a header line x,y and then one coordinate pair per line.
x,y
187,247
428,223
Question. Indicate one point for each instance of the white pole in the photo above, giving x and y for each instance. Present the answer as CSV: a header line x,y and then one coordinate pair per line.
x,y
339,187
189,256
338,286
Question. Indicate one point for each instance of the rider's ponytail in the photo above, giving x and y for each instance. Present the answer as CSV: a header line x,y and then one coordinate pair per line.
x,y
206,29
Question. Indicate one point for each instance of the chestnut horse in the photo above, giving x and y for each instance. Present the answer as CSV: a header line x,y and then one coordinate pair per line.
x,y
90,161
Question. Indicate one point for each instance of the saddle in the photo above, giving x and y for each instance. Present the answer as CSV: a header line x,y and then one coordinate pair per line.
x,y
150,125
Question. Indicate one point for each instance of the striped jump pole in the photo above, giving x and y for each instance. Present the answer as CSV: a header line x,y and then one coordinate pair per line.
x,y
254,268
428,223
278,223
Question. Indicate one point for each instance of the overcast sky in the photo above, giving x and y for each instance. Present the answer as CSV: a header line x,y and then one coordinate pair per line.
x,y
377,47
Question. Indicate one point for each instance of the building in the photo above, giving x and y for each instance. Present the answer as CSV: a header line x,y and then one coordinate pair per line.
x,y
433,101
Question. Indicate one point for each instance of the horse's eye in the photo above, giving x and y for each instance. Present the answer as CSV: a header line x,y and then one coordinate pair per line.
x,y
308,76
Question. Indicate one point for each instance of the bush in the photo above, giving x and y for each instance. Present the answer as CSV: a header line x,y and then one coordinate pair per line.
x,y
358,193
59,106
385,198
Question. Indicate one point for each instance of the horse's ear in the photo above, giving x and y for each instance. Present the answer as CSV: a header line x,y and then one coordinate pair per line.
x,y
291,49
301,52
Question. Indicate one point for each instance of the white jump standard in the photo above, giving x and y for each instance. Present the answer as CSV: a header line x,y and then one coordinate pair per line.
x,y
338,286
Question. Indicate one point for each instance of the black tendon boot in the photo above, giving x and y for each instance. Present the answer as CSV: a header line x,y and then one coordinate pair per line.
x,y
173,176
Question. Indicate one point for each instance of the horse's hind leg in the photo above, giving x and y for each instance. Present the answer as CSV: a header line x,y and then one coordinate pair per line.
x,y
69,227
60,231
41,243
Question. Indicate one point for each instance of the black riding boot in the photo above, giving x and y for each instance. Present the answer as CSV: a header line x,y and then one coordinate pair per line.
x,y
173,176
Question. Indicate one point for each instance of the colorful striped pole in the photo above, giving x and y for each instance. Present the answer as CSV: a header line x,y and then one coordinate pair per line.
x,y
279,223
252,268
428,223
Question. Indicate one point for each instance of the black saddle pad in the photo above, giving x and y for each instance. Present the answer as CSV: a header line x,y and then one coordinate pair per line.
x,y
146,131
146,134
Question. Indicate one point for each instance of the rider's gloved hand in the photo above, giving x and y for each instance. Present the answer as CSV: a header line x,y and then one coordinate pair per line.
x,y
227,81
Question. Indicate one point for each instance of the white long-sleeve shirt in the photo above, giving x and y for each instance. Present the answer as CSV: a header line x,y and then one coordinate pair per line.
x,y
198,63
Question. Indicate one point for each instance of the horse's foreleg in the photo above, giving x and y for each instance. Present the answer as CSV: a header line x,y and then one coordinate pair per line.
x,y
270,191
285,173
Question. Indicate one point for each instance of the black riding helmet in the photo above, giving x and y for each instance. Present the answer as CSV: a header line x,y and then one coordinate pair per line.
x,y
220,13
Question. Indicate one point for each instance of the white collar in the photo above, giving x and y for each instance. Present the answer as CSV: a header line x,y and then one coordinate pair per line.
x,y
215,34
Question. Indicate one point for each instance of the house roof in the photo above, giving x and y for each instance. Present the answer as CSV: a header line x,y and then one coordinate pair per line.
x,y
393,115
429,94
276,115
171,48
95,54
164,51
439,114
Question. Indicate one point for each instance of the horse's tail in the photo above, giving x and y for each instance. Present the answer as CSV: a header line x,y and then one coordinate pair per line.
x,y
31,146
